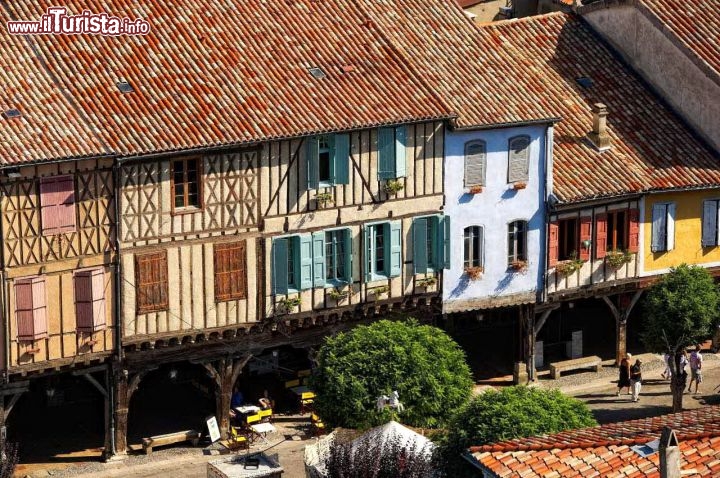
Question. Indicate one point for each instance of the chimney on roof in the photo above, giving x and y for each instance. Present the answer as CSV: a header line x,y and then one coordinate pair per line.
x,y
669,454
599,136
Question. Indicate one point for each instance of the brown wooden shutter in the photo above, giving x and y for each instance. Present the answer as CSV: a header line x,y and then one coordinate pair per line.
x,y
230,271
151,282
634,230
553,244
585,235
600,235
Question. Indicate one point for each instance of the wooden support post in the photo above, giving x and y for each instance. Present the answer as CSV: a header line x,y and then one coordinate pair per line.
x,y
125,386
15,392
105,392
621,314
225,374
535,329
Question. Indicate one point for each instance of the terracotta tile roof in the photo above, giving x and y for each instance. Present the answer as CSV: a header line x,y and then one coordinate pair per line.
x,y
225,72
526,70
49,127
695,24
606,450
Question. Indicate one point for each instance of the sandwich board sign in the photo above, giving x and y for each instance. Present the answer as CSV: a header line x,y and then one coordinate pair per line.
x,y
213,429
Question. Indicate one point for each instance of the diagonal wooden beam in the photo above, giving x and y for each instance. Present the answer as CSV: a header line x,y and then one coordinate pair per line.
x,y
96,384
633,301
9,406
614,310
543,317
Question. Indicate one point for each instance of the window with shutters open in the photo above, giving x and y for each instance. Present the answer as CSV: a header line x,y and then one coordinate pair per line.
x,y
391,147
428,244
617,230
475,163
568,243
663,227
90,308
710,222
30,309
57,204
328,160
473,247
230,271
518,159
383,247
151,282
517,241
186,184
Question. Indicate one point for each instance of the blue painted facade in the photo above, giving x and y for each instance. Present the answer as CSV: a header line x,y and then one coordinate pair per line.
x,y
500,203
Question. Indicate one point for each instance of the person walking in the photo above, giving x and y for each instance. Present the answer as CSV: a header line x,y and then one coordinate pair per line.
x,y
695,369
636,380
667,373
624,378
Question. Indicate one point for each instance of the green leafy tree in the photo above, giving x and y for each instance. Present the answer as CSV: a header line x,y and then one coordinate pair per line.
x,y
421,362
681,309
513,412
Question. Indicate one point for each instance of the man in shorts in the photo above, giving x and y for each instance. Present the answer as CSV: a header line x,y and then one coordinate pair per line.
x,y
695,369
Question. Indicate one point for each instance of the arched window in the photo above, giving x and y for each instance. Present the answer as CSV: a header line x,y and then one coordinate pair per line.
x,y
517,241
475,160
473,255
518,158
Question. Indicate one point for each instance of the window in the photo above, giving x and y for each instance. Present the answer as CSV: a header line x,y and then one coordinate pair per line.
x,y
617,230
663,227
517,241
328,160
90,300
710,222
568,239
383,250
391,152
518,158
311,260
57,204
186,183
475,160
30,310
473,250
428,235
151,283
230,271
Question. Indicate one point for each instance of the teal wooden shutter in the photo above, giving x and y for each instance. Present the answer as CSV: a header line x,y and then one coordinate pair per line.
x,y
348,255
279,266
400,142
394,229
386,153
420,259
342,158
318,250
446,242
305,259
368,245
312,163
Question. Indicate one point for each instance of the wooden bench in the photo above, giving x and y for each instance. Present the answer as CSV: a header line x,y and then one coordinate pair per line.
x,y
169,439
583,362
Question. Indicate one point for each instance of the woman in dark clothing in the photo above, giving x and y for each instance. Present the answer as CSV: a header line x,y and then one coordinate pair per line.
x,y
624,379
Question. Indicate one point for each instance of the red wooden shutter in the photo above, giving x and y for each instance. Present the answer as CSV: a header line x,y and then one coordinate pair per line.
x,y
90,300
600,235
634,230
24,309
553,244
585,235
39,308
57,204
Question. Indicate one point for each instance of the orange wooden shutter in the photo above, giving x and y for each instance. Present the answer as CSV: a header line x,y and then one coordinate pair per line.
x,y
585,235
600,235
634,230
553,244
151,282
230,271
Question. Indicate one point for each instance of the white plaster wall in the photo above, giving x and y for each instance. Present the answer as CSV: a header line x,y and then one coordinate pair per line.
x,y
493,209
649,50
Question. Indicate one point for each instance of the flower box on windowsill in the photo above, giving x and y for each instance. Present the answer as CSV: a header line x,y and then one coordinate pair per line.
x,y
566,268
474,273
338,295
517,185
323,200
616,259
393,186
287,305
32,351
426,282
518,266
379,291
475,190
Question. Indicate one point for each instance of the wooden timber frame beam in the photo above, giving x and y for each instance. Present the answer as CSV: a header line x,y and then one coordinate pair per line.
x,y
533,329
14,390
621,315
225,373
106,392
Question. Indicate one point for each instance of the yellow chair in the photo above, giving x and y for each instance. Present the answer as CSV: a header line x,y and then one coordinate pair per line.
x,y
306,401
318,427
303,373
238,439
250,419
292,383
267,413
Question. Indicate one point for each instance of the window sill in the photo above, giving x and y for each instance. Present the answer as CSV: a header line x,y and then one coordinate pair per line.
x,y
477,189
179,211
375,280
335,284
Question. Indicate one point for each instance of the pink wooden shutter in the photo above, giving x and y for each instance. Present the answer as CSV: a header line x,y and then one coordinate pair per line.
x,y
98,303
24,309
634,230
83,301
600,236
57,204
553,246
48,204
585,235
39,309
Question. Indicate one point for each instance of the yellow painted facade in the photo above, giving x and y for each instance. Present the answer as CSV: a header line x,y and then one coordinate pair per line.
x,y
688,231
